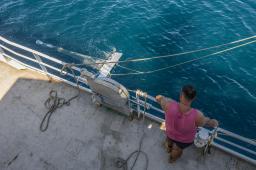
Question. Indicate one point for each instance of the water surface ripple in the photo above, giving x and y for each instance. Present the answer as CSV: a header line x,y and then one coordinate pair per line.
x,y
225,84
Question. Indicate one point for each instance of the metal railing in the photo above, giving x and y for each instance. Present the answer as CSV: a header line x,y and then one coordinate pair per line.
x,y
7,50
227,141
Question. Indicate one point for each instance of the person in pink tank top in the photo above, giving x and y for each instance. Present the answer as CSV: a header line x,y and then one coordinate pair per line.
x,y
181,121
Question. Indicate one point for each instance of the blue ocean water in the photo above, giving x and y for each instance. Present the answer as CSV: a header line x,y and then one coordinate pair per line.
x,y
226,83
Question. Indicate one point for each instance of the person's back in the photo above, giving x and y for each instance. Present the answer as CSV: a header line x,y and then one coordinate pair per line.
x,y
180,126
181,121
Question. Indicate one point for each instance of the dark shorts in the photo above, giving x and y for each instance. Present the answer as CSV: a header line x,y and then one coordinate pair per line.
x,y
179,144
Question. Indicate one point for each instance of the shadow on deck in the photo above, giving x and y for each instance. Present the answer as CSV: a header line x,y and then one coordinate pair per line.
x,y
83,136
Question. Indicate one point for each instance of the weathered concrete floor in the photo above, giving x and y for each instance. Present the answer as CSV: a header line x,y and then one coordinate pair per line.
x,y
80,136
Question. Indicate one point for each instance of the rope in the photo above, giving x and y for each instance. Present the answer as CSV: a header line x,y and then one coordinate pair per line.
x,y
126,68
68,66
163,56
52,104
123,163
182,63
177,54
55,102
138,72
209,143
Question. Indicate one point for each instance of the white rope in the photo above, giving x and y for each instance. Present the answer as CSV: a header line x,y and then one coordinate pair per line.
x,y
126,68
186,62
136,72
178,54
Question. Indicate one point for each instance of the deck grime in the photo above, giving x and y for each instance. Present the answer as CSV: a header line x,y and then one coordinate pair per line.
x,y
80,136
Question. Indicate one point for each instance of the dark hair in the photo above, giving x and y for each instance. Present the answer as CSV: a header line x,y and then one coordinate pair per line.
x,y
189,92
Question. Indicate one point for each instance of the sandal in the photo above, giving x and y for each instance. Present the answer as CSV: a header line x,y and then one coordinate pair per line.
x,y
171,160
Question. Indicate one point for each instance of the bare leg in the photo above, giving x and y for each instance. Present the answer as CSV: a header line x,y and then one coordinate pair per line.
x,y
168,145
175,154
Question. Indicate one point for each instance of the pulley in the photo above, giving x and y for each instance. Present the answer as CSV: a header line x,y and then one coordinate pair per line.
x,y
108,92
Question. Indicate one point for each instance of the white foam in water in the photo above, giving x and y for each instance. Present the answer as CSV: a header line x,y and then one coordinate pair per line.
x,y
49,45
39,42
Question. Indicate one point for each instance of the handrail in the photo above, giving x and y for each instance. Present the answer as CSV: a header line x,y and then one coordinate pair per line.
x,y
219,138
36,52
80,79
235,153
31,50
236,145
18,54
53,76
231,134
134,99
43,63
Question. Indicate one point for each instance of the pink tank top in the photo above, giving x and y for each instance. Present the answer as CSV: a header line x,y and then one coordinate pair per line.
x,y
180,127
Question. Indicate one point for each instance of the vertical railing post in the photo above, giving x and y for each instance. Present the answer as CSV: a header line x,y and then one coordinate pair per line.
x,y
138,103
39,60
2,58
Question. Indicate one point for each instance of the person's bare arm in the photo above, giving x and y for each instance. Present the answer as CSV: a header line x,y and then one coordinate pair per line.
x,y
205,121
163,101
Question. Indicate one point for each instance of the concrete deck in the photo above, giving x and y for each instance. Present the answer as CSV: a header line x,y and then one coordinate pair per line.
x,y
80,136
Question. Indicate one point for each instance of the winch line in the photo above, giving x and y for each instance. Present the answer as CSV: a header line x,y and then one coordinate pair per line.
x,y
137,72
126,68
177,54
182,63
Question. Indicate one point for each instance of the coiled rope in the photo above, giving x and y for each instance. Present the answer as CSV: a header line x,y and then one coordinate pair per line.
x,y
123,163
52,104
55,102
